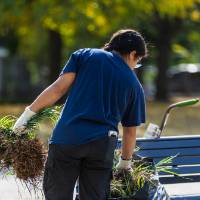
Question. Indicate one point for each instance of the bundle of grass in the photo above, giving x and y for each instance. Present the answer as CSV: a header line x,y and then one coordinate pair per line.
x,y
24,154
6,135
136,184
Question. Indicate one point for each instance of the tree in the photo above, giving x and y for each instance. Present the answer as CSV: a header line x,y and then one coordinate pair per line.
x,y
166,20
160,21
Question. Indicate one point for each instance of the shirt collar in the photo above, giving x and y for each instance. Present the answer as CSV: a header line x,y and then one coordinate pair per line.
x,y
121,60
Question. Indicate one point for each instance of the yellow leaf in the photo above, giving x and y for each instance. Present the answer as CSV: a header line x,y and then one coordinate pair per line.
x,y
195,15
100,20
49,23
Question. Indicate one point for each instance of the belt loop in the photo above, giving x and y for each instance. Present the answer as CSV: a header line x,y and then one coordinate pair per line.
x,y
112,133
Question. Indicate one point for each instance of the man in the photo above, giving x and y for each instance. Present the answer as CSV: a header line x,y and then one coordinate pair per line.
x,y
104,91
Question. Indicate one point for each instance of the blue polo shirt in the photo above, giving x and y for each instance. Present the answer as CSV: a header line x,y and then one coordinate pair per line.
x,y
105,92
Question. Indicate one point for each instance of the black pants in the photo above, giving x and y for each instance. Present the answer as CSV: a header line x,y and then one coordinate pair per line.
x,y
91,163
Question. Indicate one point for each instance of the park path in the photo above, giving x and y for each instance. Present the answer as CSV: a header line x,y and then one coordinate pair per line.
x,y
184,190
12,189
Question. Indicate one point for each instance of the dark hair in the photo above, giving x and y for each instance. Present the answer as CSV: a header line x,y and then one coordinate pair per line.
x,y
125,41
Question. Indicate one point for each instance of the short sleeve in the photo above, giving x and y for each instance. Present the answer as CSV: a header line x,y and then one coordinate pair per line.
x,y
135,113
74,62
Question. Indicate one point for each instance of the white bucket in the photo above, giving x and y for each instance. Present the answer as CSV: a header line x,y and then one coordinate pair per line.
x,y
153,131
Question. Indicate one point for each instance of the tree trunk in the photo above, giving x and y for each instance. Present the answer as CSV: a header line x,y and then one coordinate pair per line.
x,y
55,54
163,45
167,28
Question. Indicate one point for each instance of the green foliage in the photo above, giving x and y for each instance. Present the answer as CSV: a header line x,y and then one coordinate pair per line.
x,y
48,113
98,18
90,23
7,122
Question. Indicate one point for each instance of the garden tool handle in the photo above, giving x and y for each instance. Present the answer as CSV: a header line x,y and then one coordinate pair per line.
x,y
179,104
186,103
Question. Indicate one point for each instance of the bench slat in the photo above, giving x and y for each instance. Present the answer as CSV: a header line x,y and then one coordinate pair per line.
x,y
159,144
183,170
185,160
171,138
169,152
166,142
176,179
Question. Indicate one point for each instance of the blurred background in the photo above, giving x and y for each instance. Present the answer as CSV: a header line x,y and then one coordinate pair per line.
x,y
37,38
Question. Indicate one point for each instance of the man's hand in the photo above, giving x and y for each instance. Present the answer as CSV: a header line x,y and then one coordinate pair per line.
x,y
124,165
20,124
128,145
123,169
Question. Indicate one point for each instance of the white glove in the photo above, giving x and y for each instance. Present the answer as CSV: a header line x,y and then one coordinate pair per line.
x,y
124,164
20,124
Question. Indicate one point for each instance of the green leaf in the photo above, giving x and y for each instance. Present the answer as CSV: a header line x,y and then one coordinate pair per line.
x,y
7,122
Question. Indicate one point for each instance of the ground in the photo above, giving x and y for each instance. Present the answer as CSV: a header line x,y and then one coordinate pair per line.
x,y
182,121
12,189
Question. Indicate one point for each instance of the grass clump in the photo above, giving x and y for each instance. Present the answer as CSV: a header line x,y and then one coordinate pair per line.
x,y
128,184
24,154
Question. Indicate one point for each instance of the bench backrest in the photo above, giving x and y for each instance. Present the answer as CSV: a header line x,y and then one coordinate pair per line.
x,y
187,160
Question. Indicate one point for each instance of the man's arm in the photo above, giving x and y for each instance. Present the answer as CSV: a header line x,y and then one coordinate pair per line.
x,y
53,93
47,98
129,141
128,146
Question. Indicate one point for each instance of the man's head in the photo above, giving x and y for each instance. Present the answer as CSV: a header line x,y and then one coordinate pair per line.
x,y
129,44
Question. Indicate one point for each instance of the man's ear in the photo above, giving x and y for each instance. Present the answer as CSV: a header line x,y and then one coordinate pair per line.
x,y
133,55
